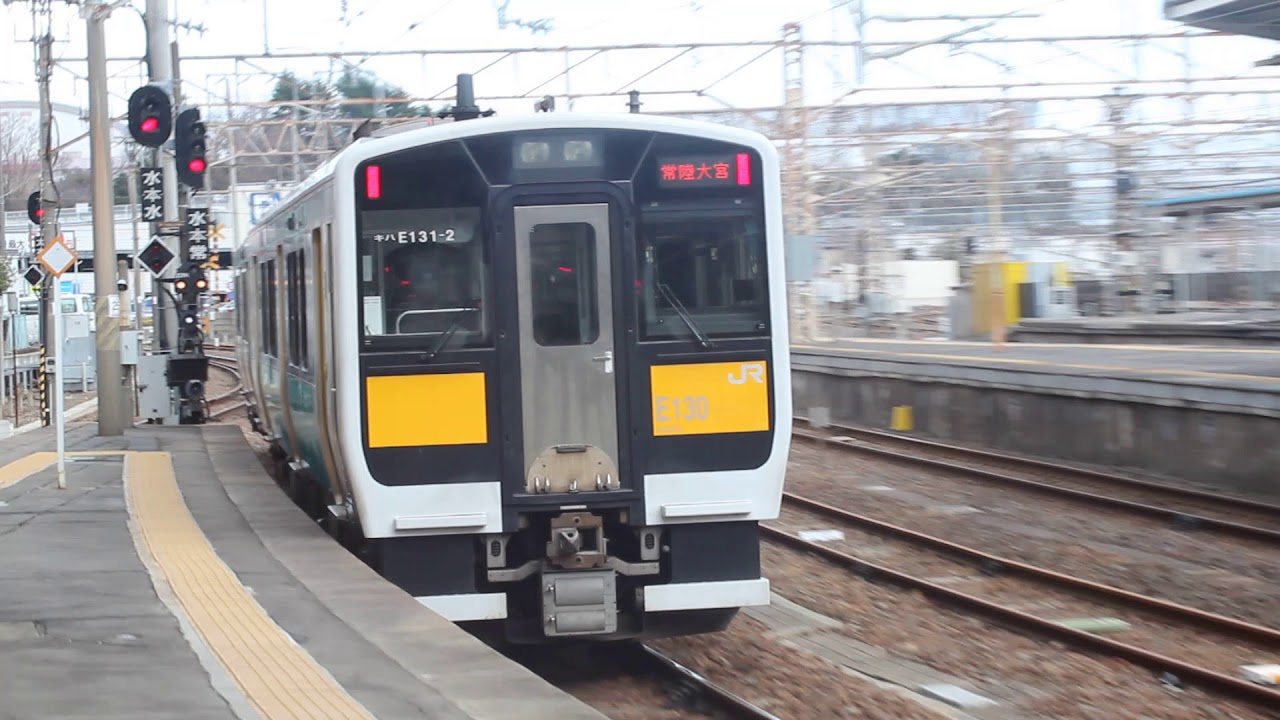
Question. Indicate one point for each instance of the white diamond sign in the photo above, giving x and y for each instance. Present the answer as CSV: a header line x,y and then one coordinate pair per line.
x,y
57,257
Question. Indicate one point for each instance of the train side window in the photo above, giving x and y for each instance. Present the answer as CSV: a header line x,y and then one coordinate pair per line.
x,y
562,270
269,324
304,354
291,304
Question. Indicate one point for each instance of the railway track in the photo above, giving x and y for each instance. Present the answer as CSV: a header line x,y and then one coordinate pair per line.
x,y
635,665
1184,508
226,402
1195,646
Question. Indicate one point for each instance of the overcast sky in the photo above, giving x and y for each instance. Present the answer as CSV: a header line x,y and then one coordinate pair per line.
x,y
236,26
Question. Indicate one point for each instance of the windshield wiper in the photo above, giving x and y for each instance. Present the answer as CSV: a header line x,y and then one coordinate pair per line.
x,y
676,305
454,324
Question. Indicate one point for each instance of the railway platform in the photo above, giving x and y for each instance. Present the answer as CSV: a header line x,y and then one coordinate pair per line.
x,y
1203,414
172,578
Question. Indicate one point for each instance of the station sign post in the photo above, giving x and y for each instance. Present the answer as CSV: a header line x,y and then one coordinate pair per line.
x,y
57,257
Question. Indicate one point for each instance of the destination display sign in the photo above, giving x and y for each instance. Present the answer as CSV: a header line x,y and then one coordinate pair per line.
x,y
705,170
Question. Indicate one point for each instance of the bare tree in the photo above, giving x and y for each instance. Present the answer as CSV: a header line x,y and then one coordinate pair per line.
x,y
19,160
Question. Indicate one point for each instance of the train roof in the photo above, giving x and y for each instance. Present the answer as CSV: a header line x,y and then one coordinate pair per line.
x,y
376,146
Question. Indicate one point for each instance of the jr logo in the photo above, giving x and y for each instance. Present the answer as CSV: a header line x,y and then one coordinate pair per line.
x,y
753,371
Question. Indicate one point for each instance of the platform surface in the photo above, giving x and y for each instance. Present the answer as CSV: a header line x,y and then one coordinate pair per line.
x,y
171,578
1220,366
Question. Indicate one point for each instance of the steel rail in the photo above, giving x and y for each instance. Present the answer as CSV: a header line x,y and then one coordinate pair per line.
x,y
1093,474
1176,611
1181,517
718,696
1223,684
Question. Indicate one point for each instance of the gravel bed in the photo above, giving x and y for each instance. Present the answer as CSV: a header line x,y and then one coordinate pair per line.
x,y
30,406
600,677
784,680
1039,676
1077,481
1237,578
1184,641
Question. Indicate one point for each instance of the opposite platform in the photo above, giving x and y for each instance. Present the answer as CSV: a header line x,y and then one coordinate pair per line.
x,y
172,578
1227,378
1204,414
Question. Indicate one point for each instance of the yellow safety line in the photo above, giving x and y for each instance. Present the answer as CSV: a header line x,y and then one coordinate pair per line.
x,y
278,677
979,359
24,467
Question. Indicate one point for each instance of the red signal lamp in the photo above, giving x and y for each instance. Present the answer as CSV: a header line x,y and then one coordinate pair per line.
x,y
197,165
39,212
150,124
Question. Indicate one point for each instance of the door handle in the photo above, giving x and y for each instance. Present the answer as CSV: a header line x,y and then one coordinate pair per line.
x,y
607,359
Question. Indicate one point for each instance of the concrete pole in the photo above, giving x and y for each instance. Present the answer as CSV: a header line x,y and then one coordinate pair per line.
x,y
110,380
160,59
48,221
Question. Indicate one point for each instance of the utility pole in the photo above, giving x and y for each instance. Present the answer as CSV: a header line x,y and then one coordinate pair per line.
x,y
48,220
1124,232
160,63
111,419
998,246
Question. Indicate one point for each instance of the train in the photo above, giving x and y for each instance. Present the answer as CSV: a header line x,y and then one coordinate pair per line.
x,y
534,370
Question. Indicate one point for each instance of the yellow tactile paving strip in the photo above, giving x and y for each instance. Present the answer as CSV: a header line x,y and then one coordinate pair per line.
x,y
22,468
277,676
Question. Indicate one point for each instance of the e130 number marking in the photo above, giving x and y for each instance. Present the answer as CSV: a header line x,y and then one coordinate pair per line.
x,y
690,407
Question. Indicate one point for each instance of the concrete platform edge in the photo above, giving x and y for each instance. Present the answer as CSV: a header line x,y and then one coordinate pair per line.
x,y
1171,392
458,666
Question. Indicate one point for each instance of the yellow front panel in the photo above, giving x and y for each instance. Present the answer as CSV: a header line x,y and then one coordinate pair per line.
x,y
436,409
1015,273
710,398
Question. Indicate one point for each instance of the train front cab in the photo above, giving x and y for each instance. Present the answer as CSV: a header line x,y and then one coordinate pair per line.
x,y
576,362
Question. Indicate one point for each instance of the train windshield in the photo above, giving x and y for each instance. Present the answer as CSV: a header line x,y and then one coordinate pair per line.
x,y
423,265
701,242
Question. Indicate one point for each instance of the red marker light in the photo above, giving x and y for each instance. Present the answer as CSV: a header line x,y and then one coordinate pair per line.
x,y
373,181
197,165
744,169
150,124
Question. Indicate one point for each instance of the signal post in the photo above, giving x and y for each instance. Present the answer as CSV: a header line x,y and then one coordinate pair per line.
x,y
151,120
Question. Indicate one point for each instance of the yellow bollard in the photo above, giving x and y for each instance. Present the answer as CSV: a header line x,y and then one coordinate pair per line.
x,y
902,420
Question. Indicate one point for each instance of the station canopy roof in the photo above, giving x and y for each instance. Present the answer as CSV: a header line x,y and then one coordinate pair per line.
x,y
1263,198
1255,18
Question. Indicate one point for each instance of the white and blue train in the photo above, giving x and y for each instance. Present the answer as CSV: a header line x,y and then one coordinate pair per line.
x,y
534,369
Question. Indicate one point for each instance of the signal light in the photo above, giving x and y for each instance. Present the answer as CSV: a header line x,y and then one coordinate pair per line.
x,y
202,284
180,284
35,212
189,147
150,116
